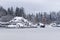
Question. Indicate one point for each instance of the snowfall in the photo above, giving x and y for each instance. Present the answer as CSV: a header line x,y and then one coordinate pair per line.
x,y
47,33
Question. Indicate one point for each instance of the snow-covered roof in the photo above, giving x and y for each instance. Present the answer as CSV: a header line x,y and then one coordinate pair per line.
x,y
19,19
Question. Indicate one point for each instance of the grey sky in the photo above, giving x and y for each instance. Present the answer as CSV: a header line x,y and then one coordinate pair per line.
x,y
32,6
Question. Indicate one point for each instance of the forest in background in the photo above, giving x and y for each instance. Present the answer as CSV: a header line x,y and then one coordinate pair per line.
x,y
43,17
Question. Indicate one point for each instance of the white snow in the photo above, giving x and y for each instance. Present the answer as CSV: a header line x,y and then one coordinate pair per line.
x,y
12,25
19,24
47,33
20,21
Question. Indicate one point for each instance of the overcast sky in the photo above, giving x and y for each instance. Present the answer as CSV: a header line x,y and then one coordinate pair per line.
x,y
32,6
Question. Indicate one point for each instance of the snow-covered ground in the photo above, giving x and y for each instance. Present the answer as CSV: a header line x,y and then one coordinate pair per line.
x,y
48,33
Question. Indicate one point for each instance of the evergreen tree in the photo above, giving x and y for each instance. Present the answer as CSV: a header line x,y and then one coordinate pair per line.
x,y
36,18
10,11
20,12
17,12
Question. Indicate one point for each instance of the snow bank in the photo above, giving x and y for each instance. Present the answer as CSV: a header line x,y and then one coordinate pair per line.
x,y
21,22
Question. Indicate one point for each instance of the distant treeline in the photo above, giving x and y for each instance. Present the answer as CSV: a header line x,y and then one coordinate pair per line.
x,y
43,17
